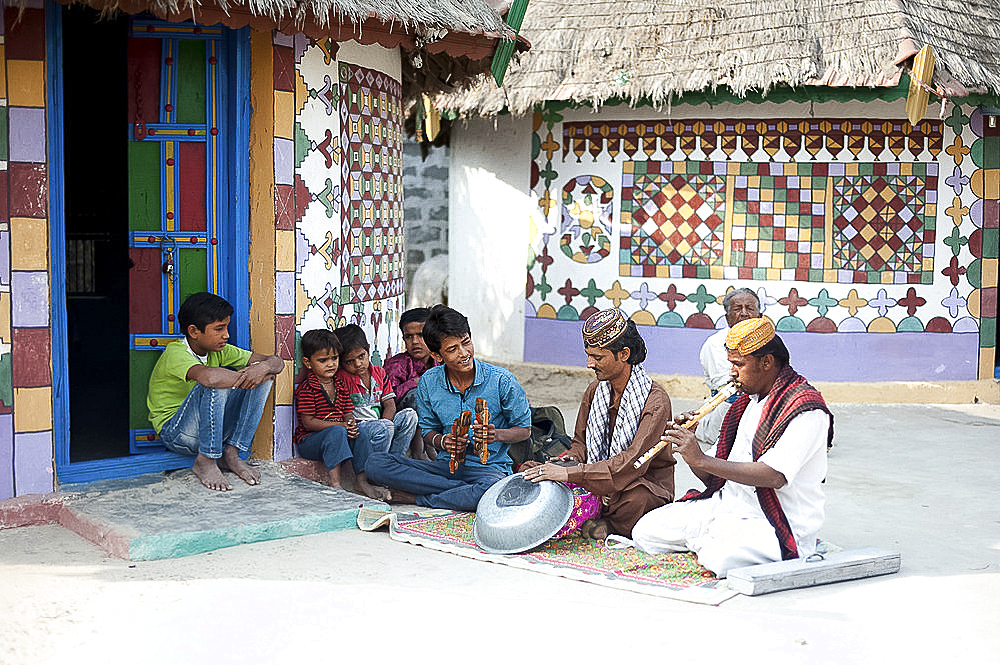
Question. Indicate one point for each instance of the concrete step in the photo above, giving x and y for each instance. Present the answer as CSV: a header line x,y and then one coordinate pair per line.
x,y
161,516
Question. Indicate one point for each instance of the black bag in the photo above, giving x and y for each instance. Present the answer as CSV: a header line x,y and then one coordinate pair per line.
x,y
548,437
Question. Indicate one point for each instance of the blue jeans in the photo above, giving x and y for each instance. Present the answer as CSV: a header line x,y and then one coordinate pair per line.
x,y
431,482
332,446
391,436
210,418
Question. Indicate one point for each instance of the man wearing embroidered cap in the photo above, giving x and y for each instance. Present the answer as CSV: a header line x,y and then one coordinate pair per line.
x,y
763,498
623,414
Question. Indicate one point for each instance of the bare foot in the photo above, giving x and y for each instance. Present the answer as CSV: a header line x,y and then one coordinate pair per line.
x,y
595,529
208,472
333,478
381,493
362,485
231,462
399,496
347,478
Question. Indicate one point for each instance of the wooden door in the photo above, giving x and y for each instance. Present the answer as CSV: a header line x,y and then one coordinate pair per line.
x,y
176,87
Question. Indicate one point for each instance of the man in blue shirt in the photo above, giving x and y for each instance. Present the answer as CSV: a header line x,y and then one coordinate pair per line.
x,y
442,394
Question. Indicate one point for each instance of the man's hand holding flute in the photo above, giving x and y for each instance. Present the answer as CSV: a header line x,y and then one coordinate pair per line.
x,y
683,441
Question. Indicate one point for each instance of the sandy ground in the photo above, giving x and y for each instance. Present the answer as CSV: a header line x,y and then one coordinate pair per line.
x,y
921,480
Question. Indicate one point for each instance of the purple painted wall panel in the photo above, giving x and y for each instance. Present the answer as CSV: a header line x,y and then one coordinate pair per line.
x,y
284,423
284,292
5,258
29,299
6,456
820,357
33,462
27,142
284,162
559,343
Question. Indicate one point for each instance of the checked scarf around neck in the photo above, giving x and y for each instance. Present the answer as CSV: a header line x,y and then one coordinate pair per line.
x,y
629,409
790,395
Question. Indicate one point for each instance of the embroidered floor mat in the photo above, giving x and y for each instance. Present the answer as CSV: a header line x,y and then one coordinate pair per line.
x,y
676,576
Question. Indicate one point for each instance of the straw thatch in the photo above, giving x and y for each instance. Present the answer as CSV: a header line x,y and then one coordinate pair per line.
x,y
598,51
426,17
449,41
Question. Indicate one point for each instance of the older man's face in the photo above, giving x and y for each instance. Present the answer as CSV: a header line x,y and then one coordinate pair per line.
x,y
742,306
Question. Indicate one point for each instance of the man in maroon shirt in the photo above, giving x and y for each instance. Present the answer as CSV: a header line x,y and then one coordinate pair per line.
x,y
622,415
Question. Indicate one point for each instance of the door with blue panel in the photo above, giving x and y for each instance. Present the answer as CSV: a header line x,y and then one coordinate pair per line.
x,y
176,89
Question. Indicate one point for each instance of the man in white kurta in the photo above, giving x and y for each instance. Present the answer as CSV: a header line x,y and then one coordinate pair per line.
x,y
740,305
729,528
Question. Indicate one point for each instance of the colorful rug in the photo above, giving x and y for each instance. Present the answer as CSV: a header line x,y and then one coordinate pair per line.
x,y
676,576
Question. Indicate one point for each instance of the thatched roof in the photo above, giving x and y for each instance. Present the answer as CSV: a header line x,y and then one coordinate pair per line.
x,y
599,51
458,27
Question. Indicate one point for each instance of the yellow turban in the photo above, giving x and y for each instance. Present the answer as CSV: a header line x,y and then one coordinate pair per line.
x,y
748,336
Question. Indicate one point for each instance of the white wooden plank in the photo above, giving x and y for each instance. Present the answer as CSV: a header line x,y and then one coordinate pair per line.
x,y
798,573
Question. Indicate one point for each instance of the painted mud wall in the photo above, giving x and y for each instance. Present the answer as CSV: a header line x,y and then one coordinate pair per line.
x,y
872,244
338,199
25,355
325,136
489,211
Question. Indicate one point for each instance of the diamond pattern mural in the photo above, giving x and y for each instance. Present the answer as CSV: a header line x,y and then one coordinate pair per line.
x,y
884,221
371,134
672,214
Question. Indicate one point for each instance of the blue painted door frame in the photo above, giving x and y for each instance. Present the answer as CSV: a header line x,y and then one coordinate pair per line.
x,y
234,222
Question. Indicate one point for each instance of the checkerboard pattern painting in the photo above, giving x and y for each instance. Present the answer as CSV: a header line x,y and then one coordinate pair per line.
x,y
858,223
832,221
779,221
372,217
883,222
673,216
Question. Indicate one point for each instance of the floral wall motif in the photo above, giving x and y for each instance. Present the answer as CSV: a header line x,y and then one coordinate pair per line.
x,y
348,196
834,222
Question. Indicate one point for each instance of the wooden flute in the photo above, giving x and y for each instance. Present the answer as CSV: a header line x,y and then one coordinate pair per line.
x,y
482,418
460,430
725,392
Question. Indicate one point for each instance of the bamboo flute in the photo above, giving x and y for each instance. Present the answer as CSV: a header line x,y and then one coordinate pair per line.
x,y
725,392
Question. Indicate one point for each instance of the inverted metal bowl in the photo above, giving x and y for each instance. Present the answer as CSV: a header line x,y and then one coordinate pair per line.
x,y
516,515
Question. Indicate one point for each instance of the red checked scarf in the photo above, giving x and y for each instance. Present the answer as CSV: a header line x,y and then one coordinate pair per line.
x,y
789,396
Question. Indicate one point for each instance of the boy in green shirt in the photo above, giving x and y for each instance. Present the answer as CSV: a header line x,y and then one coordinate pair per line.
x,y
206,397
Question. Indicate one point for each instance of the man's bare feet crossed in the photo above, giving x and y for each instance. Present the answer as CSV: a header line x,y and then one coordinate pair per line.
x,y
209,471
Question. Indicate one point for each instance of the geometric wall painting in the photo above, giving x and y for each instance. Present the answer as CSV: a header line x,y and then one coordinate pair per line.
x,y
856,223
779,221
672,215
372,212
883,224
587,211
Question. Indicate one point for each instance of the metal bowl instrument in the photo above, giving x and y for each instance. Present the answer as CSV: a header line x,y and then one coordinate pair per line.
x,y
516,515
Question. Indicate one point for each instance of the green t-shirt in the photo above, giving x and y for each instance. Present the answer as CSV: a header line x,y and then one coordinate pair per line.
x,y
169,385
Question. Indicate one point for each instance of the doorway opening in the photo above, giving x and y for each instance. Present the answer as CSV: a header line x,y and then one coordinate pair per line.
x,y
96,214
148,204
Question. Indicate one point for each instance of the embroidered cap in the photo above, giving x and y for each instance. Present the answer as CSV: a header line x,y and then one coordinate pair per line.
x,y
604,327
748,336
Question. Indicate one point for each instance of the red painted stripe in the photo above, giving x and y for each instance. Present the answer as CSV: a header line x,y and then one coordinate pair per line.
x,y
145,276
30,510
191,173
